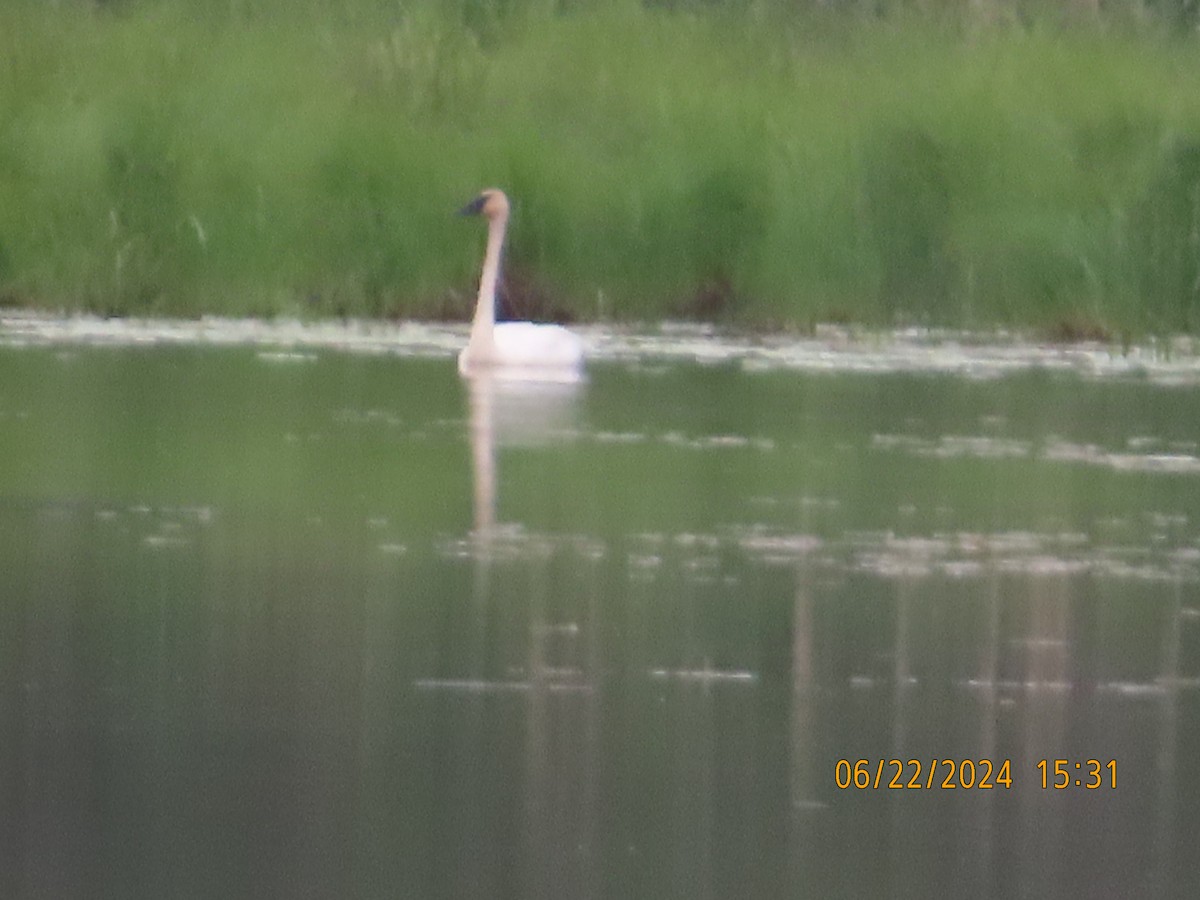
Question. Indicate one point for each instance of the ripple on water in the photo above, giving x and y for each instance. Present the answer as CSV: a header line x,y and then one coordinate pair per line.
x,y
163,528
1148,463
1177,462
510,542
962,556
954,446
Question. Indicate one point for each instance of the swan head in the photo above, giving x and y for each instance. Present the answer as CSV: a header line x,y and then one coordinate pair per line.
x,y
491,204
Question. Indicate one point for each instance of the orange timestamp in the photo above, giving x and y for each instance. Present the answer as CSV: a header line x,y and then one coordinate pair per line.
x,y
977,774
1085,773
947,774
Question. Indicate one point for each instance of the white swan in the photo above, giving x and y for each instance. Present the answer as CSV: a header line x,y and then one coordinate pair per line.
x,y
521,350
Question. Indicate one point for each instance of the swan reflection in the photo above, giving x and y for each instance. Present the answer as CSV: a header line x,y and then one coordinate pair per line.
x,y
513,413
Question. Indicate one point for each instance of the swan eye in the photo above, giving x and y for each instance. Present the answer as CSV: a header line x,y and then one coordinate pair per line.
x,y
475,207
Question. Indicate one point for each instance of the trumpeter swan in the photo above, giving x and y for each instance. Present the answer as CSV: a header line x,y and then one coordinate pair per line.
x,y
524,350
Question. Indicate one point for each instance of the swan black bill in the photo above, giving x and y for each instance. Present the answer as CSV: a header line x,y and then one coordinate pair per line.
x,y
475,207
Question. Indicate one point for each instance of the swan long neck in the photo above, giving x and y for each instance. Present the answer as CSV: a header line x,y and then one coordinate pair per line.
x,y
484,323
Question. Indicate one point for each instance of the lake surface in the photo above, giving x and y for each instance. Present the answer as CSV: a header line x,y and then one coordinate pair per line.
x,y
292,611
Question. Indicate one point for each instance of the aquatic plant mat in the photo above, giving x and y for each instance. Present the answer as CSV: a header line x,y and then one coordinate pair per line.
x,y
830,349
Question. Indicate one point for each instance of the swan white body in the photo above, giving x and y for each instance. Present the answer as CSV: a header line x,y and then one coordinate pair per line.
x,y
522,350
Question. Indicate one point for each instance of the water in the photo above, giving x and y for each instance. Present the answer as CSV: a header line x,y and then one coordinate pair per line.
x,y
290,611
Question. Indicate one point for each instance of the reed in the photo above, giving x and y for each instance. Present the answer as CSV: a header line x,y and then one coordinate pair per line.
x,y
741,162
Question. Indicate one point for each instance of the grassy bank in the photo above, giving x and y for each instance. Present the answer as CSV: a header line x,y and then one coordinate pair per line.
x,y
739,164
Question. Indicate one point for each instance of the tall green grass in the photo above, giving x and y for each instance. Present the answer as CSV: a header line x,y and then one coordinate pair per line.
x,y
743,162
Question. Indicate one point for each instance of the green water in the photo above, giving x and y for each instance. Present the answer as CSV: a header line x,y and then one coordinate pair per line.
x,y
307,622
